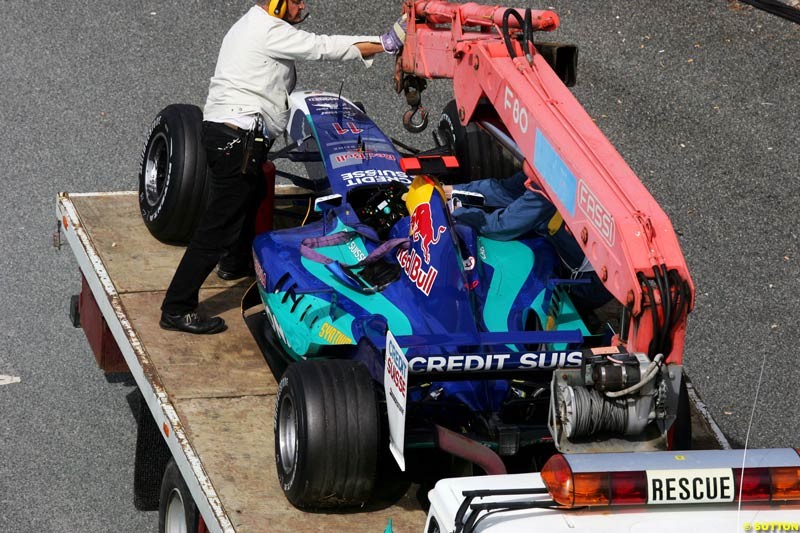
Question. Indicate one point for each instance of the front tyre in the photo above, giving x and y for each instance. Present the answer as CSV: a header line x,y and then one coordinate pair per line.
x,y
172,178
479,154
326,434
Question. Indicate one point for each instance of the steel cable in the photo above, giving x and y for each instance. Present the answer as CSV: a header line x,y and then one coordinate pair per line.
x,y
594,413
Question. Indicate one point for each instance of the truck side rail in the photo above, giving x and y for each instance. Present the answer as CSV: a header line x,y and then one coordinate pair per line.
x,y
136,357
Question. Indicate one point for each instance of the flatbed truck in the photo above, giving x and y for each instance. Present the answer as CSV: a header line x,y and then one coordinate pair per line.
x,y
207,401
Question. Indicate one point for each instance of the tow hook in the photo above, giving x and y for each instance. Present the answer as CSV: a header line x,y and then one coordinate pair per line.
x,y
412,88
422,122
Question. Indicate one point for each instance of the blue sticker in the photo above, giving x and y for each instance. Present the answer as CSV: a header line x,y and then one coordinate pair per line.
x,y
555,172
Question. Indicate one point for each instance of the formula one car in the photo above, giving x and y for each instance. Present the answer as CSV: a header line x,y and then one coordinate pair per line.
x,y
459,333
386,263
402,327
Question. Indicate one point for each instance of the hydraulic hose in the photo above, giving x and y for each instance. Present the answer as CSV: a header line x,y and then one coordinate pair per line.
x,y
507,33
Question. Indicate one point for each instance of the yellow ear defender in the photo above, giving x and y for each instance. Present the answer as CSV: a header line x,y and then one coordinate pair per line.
x,y
277,8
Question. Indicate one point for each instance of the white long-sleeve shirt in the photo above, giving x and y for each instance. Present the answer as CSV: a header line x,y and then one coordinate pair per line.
x,y
255,68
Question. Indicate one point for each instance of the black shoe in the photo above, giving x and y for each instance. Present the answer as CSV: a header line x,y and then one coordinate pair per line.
x,y
236,273
192,323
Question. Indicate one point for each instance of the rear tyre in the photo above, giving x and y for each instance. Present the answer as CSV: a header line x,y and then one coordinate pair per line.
x,y
177,512
326,434
478,153
173,176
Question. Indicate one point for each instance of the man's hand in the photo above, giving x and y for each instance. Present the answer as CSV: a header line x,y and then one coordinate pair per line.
x,y
395,37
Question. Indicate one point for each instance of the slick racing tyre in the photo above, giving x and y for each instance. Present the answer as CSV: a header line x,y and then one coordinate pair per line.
x,y
177,512
326,434
172,180
479,154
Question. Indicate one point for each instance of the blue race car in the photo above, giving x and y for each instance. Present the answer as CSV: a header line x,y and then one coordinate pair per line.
x,y
404,339
397,323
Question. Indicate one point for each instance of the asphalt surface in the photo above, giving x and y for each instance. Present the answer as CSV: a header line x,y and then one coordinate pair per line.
x,y
700,97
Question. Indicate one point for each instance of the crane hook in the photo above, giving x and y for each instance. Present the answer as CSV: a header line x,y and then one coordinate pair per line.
x,y
420,124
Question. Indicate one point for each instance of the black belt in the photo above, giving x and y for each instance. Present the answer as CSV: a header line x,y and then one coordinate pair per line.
x,y
256,130
234,127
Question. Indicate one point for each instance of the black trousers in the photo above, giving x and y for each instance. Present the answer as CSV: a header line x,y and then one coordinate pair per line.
x,y
227,227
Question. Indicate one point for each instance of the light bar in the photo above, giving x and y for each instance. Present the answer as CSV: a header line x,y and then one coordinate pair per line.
x,y
690,477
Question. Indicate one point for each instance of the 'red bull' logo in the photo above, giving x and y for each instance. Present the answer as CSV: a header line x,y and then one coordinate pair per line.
x,y
360,156
422,229
411,264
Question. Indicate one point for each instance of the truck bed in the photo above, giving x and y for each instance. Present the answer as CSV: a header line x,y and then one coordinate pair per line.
x,y
213,396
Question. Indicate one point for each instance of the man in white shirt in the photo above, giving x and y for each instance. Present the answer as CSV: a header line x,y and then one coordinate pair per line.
x,y
248,100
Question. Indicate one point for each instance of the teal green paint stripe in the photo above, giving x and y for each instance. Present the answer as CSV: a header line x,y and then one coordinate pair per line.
x,y
374,303
512,262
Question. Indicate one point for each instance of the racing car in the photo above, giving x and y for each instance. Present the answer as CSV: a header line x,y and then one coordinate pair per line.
x,y
405,331
386,263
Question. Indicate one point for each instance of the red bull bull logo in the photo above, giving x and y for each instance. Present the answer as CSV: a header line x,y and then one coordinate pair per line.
x,y
422,229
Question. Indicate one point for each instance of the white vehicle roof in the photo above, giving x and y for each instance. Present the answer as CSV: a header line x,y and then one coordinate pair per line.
x,y
446,498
